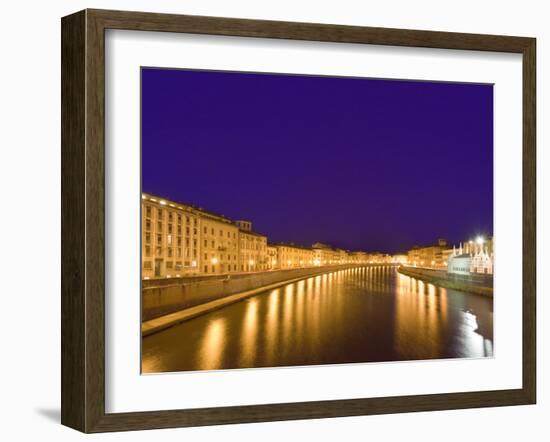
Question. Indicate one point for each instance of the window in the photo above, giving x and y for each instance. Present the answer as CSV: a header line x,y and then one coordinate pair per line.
x,y
205,243
187,219
169,265
205,269
159,239
169,228
148,225
159,226
148,238
205,230
147,251
187,231
170,216
159,213
178,265
170,252
148,212
179,218
169,238
147,265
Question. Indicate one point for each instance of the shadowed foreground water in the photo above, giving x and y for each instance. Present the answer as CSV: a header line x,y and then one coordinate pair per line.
x,y
369,314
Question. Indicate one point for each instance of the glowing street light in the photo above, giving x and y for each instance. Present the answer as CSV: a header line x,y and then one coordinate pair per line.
x,y
214,261
480,240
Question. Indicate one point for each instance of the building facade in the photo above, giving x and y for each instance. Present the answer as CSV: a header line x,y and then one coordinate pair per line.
x,y
475,257
272,259
252,249
170,238
433,256
323,255
220,245
292,256
180,240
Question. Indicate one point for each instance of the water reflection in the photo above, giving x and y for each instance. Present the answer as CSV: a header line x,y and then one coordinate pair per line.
x,y
358,315
213,345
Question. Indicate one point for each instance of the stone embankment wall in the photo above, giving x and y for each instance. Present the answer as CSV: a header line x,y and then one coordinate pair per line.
x,y
476,283
163,296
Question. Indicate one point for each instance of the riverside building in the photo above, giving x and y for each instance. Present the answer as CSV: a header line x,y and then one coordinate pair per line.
x,y
170,238
292,256
433,256
252,248
180,240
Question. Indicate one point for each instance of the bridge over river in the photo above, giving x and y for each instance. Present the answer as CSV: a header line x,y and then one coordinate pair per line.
x,y
367,314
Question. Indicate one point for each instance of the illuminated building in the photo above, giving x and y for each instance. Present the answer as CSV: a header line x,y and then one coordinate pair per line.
x,y
399,259
272,259
291,256
181,240
433,256
358,257
252,248
219,244
170,238
475,257
323,254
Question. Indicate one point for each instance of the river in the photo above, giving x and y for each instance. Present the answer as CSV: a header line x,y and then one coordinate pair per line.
x,y
369,314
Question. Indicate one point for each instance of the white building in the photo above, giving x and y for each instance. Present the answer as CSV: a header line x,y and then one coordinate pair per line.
x,y
475,260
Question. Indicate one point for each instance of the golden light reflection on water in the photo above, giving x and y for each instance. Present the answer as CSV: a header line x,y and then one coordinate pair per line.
x,y
421,315
357,315
271,335
213,345
249,333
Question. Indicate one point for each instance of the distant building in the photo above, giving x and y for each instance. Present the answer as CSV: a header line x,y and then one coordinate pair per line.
x,y
323,254
399,259
291,256
434,256
358,257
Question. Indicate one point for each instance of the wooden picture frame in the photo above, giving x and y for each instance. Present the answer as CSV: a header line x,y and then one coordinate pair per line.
x,y
83,220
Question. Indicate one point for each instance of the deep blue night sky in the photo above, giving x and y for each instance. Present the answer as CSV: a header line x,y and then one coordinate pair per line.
x,y
376,165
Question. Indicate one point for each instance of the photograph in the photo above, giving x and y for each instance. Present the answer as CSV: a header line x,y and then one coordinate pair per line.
x,y
302,220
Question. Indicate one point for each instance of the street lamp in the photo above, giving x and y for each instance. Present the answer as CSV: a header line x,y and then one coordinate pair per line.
x,y
214,261
480,240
